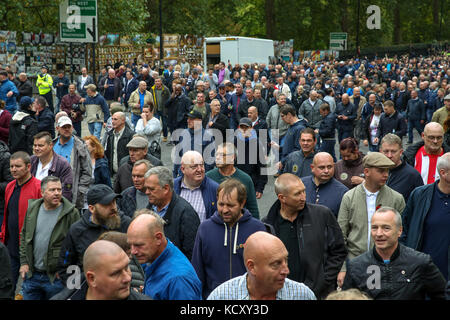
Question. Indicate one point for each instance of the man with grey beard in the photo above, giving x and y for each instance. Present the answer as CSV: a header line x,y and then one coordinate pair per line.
x,y
102,215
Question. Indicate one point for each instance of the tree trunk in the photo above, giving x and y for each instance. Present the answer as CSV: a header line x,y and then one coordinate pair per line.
x,y
270,18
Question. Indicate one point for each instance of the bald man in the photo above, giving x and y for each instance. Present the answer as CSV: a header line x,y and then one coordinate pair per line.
x,y
195,187
346,113
265,259
117,140
168,274
110,87
311,235
423,155
107,274
321,187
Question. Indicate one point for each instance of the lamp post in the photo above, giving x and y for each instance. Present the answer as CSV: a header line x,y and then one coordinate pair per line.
x,y
357,29
161,53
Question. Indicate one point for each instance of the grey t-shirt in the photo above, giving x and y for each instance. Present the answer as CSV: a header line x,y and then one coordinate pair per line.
x,y
141,200
45,224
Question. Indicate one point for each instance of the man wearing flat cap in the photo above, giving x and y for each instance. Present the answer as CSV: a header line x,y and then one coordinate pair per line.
x,y
102,215
441,114
359,204
138,150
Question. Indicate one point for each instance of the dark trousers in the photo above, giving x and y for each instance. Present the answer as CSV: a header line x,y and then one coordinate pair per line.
x,y
49,97
77,127
15,266
328,146
163,120
411,125
344,133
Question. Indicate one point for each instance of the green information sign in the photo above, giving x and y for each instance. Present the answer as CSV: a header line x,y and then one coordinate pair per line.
x,y
87,7
73,33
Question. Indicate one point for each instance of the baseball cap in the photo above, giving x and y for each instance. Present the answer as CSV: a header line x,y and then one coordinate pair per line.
x,y
138,143
195,115
245,122
25,102
377,160
101,193
64,121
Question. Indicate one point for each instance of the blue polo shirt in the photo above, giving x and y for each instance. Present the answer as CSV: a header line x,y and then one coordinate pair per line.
x,y
163,210
436,235
64,150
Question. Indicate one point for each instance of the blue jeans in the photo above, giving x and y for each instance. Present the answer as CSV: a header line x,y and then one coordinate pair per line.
x,y
373,148
342,134
39,287
328,146
134,119
77,127
411,125
95,128
429,113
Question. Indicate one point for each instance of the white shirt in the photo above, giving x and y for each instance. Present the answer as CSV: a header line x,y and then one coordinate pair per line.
x,y
42,172
253,123
371,199
117,137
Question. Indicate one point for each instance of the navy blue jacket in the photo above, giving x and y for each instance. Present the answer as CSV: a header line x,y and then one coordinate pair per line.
x,y
327,128
348,110
415,110
218,249
46,121
401,100
63,90
328,194
128,89
101,172
209,193
394,123
291,139
404,179
413,217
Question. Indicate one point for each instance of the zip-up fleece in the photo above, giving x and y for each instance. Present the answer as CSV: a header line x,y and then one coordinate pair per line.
x,y
218,249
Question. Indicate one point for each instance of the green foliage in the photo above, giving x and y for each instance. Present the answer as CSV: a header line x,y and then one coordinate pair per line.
x,y
308,22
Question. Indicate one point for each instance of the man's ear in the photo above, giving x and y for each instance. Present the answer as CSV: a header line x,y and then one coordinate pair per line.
x,y
90,278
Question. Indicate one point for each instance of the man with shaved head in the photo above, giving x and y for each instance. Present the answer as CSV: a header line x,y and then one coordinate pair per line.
x,y
346,113
107,274
311,235
168,273
423,155
117,140
195,187
321,187
266,262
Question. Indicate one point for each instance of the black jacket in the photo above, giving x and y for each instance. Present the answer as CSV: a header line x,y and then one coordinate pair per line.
x,y
222,123
22,129
327,126
321,245
177,110
181,224
117,87
122,150
46,121
394,123
81,234
404,179
25,89
5,174
349,110
245,104
6,281
410,275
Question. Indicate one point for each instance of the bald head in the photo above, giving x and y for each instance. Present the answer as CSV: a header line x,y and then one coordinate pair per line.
x,y
322,156
191,157
433,126
259,244
94,254
433,137
147,224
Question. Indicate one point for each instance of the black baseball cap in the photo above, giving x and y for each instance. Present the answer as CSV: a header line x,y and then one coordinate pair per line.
x,y
101,193
195,114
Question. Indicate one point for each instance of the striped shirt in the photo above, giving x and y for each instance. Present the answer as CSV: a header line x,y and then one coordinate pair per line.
x,y
426,164
236,289
195,199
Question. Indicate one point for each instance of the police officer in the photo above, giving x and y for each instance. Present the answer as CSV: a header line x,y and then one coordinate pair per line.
x,y
44,84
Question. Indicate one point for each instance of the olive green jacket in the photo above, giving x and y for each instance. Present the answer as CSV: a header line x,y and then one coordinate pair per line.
x,y
69,215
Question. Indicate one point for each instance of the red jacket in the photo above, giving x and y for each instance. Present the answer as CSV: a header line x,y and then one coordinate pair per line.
x,y
30,190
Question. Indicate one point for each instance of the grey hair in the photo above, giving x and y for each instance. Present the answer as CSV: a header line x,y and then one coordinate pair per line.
x,y
391,138
159,222
48,179
398,217
164,176
147,163
443,162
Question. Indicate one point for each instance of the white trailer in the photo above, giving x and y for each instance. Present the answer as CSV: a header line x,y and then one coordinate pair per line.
x,y
237,50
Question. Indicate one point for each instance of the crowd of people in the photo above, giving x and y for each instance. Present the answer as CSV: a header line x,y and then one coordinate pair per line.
x,y
98,216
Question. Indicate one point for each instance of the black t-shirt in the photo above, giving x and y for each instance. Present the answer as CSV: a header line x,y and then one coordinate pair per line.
x,y
288,235
13,232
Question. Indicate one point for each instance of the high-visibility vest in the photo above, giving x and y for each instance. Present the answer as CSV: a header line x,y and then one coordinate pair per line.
x,y
44,83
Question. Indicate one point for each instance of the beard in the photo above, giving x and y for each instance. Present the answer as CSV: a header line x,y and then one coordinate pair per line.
x,y
111,223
